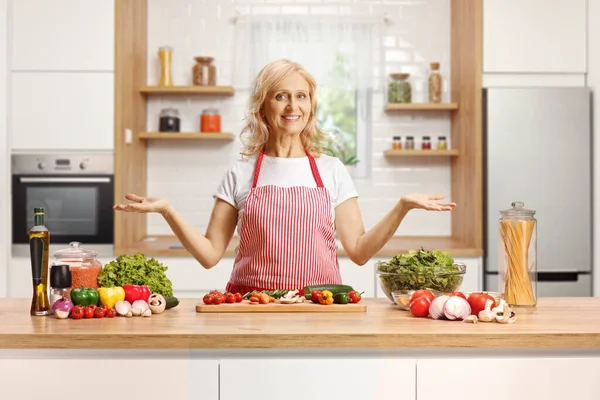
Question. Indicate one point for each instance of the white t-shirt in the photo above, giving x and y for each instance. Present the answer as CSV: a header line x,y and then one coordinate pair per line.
x,y
285,172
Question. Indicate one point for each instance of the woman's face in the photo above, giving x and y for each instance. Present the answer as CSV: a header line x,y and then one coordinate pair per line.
x,y
287,108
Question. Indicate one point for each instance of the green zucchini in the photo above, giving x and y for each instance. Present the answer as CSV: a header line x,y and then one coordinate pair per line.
x,y
171,301
333,288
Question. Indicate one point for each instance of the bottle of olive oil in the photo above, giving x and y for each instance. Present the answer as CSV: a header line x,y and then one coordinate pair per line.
x,y
39,243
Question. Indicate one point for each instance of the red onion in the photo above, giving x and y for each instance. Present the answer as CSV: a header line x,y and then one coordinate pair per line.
x,y
436,309
456,308
62,308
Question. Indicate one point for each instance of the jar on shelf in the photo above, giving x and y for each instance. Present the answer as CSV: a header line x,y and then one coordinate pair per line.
x,y
517,268
169,120
426,143
397,143
410,143
165,56
442,144
435,83
210,120
399,88
83,264
204,72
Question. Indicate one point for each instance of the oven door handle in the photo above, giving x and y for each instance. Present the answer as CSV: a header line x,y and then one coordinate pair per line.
x,y
64,180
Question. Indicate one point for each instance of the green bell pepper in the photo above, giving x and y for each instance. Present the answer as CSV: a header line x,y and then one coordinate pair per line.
x,y
341,298
84,296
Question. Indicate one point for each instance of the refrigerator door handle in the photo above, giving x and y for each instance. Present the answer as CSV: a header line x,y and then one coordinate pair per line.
x,y
557,276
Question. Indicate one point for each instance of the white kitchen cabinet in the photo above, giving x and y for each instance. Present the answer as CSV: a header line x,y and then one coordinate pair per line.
x,y
534,36
62,35
360,378
19,277
146,377
361,278
62,111
508,378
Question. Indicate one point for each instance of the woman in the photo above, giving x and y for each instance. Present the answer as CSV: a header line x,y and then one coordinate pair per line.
x,y
286,198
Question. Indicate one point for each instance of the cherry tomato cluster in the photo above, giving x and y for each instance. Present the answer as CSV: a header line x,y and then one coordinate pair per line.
x,y
92,311
216,297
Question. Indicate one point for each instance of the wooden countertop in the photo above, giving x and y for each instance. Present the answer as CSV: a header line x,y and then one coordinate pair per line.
x,y
163,246
555,323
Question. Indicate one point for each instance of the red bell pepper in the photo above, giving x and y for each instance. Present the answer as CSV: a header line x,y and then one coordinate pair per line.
x,y
135,292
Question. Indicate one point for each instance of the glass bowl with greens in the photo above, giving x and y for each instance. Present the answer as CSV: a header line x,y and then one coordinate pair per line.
x,y
420,269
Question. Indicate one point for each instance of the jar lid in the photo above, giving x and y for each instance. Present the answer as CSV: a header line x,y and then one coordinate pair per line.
x,y
409,138
38,210
441,137
426,138
434,65
397,137
399,75
75,251
169,111
517,210
60,276
211,111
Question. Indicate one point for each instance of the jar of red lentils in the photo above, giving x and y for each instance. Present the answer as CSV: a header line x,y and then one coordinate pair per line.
x,y
83,263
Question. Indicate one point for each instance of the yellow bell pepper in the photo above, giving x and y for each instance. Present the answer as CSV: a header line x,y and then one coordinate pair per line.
x,y
326,297
110,296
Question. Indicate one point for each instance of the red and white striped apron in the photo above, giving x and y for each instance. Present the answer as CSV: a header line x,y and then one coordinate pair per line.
x,y
287,237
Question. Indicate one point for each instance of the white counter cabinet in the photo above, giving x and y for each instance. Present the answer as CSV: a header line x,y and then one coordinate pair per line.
x,y
361,378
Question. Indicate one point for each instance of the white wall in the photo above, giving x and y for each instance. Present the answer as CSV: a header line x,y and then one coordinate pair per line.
x,y
4,174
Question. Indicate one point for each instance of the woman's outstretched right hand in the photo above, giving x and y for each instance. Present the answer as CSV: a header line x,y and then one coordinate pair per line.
x,y
143,205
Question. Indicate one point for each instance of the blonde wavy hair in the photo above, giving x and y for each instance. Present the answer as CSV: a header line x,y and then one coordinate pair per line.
x,y
314,139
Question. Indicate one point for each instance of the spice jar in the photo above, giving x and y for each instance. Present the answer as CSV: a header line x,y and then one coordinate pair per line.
x,y
60,283
204,72
165,55
169,120
397,143
426,143
435,83
210,120
399,88
83,263
517,268
442,144
410,143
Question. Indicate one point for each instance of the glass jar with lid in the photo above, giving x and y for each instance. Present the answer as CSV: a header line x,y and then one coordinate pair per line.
x,y
169,120
83,263
517,268
204,72
399,88
410,143
210,121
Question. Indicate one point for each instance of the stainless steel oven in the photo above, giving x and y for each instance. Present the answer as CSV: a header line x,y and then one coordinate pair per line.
x,y
76,192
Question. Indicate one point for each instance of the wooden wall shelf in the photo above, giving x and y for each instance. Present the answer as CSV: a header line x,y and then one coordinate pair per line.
x,y
184,136
191,90
420,106
420,153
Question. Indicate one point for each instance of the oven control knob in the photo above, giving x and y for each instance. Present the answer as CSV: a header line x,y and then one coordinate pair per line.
x,y
41,165
83,165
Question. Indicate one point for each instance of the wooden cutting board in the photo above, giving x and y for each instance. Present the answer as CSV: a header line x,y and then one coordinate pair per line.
x,y
306,307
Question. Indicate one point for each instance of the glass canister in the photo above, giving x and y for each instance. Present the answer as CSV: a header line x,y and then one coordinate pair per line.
x,y
165,55
435,83
83,263
204,72
399,88
210,121
517,268
169,120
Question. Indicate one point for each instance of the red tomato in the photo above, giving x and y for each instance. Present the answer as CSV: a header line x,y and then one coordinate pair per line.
x,y
422,293
420,307
100,312
238,297
459,294
230,298
208,298
477,302
89,311
219,299
111,313
77,312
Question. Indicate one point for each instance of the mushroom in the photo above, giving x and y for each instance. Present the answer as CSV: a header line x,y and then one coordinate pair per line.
x,y
157,303
507,316
471,318
487,315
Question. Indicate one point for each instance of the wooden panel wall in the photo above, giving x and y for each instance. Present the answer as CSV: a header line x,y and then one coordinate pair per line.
x,y
131,25
466,76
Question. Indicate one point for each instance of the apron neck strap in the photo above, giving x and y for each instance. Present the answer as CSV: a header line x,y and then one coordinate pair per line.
x,y
311,160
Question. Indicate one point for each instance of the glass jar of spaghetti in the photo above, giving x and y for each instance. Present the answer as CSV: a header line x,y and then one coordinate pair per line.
x,y
517,255
83,264
210,120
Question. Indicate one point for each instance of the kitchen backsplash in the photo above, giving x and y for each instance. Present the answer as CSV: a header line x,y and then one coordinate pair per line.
x,y
188,172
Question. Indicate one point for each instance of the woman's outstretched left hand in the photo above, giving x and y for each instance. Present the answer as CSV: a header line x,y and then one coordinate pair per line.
x,y
431,202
